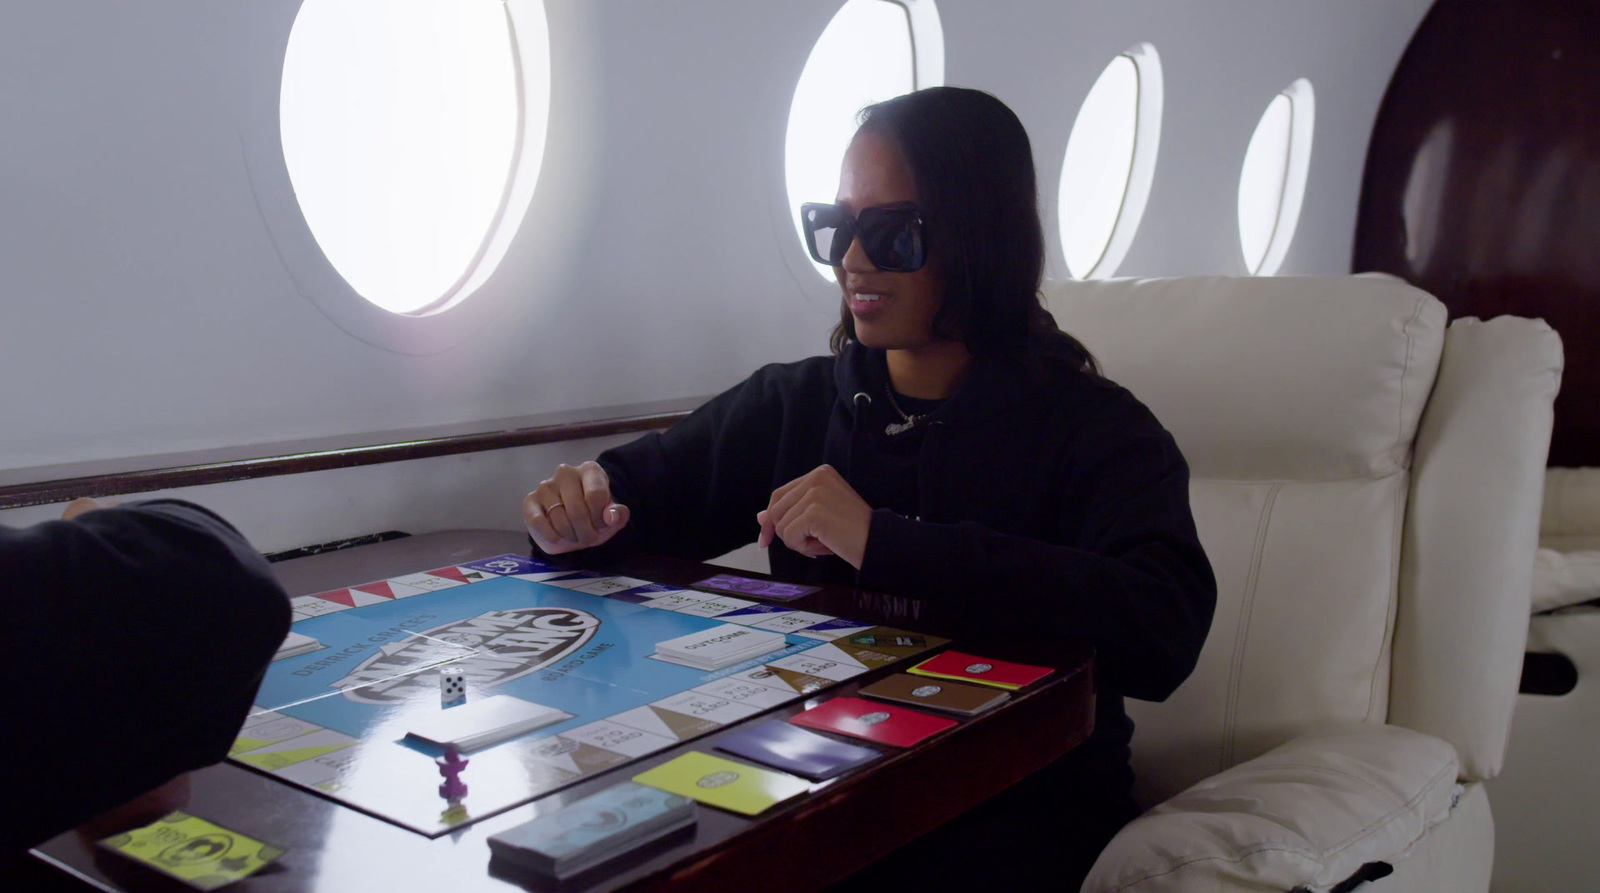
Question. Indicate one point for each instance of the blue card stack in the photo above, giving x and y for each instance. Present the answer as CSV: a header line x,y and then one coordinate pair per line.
x,y
593,830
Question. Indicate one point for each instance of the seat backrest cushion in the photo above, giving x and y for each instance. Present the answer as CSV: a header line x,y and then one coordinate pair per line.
x,y
1471,536
1295,402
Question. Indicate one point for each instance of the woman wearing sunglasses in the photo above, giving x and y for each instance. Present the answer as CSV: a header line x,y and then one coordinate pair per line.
x,y
956,447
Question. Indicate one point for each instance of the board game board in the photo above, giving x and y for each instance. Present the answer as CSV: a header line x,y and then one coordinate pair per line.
x,y
334,719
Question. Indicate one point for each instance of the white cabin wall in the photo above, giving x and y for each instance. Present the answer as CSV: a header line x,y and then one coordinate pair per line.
x,y
147,302
1222,62
150,304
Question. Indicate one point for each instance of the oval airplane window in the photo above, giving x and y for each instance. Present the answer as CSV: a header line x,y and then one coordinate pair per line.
x,y
872,50
403,124
1109,163
1272,183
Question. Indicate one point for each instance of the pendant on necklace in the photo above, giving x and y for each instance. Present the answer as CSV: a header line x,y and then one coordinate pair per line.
x,y
894,428
908,421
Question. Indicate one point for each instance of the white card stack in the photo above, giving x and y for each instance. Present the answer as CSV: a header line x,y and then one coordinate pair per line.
x,y
719,646
295,644
478,724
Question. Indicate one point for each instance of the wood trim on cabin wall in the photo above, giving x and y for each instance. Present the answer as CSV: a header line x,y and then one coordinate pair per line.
x,y
20,488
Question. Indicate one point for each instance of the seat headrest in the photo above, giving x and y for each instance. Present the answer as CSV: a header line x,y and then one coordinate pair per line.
x,y
1269,378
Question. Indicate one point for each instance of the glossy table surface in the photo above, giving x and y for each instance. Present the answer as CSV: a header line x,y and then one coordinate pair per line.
x,y
806,843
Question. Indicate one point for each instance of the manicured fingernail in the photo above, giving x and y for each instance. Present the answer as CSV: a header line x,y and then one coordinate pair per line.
x,y
612,515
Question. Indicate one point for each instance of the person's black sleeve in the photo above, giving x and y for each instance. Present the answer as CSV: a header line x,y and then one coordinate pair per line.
x,y
140,635
1135,582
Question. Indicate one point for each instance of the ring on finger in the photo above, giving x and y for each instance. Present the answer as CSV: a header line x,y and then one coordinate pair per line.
x,y
550,508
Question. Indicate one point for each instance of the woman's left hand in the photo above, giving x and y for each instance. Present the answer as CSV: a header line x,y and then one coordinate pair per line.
x,y
818,514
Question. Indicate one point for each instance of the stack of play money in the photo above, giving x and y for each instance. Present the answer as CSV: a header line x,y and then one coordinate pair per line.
x,y
593,830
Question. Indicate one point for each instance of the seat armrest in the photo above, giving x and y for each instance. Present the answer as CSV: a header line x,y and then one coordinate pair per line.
x,y
1308,814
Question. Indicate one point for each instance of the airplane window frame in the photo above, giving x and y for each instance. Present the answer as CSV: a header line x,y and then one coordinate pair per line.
x,y
364,243
926,35
1299,136
443,326
1149,100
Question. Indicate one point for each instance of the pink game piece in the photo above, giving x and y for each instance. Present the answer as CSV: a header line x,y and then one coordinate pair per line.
x,y
450,766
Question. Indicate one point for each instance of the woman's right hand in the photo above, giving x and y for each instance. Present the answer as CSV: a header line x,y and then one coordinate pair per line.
x,y
572,509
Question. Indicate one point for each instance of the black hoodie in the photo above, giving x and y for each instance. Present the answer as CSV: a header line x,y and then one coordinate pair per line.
x,y
1050,501
139,636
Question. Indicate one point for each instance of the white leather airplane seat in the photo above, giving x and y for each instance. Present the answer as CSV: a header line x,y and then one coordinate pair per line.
x,y
1367,483
1548,796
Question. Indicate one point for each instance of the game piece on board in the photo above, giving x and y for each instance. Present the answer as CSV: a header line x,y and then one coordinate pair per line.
x,y
453,789
481,723
197,852
939,694
725,784
450,766
883,723
452,684
594,830
783,746
982,670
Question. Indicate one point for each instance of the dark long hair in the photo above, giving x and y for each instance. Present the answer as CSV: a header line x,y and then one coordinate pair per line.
x,y
973,166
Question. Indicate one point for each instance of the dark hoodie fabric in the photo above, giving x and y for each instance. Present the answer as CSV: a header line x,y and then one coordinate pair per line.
x,y
140,636
1050,501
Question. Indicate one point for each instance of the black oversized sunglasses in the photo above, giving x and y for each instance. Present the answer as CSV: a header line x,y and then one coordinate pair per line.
x,y
890,235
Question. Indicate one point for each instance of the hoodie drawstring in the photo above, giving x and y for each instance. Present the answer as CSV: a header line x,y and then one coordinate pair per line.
x,y
858,433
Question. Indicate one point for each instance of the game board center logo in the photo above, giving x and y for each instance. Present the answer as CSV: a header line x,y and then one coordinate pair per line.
x,y
509,644
926,691
872,719
979,668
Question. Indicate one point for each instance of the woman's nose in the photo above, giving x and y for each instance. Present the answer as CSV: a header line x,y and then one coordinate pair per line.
x,y
856,260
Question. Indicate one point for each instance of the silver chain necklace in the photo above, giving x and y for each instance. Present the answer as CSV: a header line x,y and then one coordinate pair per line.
x,y
900,427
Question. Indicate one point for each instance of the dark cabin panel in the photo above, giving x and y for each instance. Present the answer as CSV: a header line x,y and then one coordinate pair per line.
x,y
1482,182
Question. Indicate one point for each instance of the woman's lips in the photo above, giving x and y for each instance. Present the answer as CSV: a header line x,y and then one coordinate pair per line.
x,y
866,303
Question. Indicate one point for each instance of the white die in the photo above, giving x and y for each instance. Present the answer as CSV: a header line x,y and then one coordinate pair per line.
x,y
452,684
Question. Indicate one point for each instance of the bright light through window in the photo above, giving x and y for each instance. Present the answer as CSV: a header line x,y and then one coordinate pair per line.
x,y
404,134
863,56
1109,163
1273,180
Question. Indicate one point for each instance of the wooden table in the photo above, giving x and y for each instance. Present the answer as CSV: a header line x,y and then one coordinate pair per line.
x,y
842,825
